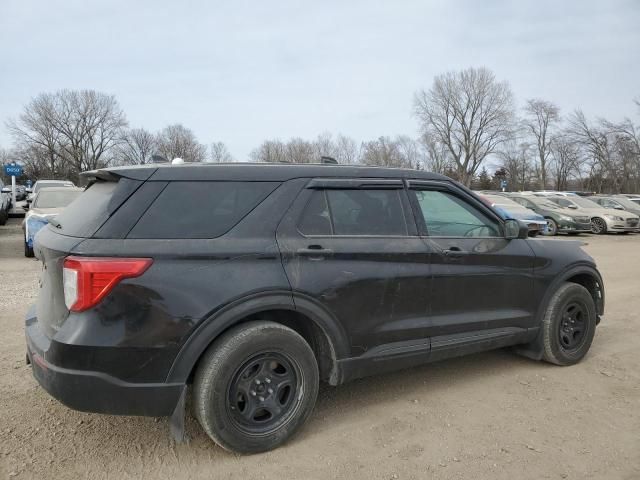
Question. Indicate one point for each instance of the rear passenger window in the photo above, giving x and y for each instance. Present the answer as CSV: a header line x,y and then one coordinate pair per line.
x,y
200,209
354,212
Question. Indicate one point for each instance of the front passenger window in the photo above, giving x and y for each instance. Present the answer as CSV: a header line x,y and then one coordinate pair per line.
x,y
446,215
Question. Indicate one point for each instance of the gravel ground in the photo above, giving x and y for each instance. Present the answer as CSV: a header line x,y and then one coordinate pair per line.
x,y
486,416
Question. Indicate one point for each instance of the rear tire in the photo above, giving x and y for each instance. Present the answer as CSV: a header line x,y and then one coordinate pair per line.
x,y
255,386
569,325
28,251
4,216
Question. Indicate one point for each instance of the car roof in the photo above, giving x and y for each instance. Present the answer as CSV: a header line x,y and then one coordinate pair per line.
x,y
43,180
258,172
60,189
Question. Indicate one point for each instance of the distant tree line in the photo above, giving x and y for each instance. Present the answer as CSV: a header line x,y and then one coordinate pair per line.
x,y
468,124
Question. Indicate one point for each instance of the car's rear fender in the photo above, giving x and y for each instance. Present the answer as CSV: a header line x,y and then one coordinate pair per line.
x,y
250,307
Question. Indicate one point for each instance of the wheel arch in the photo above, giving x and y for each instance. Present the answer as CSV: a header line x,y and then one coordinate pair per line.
x,y
583,274
301,314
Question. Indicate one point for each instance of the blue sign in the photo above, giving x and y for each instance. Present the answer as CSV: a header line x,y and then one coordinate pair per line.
x,y
29,183
503,184
13,170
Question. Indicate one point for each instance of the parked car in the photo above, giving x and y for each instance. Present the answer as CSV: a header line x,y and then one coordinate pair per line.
x,y
559,219
602,220
507,208
635,200
47,204
250,283
5,202
47,184
617,202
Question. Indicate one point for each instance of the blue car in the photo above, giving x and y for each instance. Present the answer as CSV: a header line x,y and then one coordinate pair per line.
x,y
507,208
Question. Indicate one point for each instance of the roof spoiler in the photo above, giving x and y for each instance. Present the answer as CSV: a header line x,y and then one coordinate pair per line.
x,y
114,174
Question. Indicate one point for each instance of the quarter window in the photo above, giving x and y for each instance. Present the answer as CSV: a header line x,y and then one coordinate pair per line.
x,y
200,209
354,213
446,215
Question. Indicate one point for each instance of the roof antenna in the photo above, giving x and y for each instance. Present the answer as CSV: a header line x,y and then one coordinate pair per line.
x,y
328,160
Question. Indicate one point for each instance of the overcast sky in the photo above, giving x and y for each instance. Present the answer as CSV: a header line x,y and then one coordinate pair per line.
x,y
240,72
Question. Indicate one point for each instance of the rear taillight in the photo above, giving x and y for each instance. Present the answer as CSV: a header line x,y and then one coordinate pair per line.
x,y
87,280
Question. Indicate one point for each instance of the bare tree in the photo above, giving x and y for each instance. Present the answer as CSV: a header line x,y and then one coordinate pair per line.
x,y
269,151
298,150
71,130
566,160
324,146
412,152
540,119
470,113
346,150
177,141
437,156
516,162
136,147
220,153
383,152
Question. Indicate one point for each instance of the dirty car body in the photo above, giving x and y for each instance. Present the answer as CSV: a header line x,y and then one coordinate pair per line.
x,y
344,256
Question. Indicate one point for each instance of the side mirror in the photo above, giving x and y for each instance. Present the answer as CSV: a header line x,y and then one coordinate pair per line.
x,y
618,207
514,229
25,207
573,207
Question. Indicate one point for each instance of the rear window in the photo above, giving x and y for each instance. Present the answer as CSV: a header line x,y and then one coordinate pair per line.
x,y
83,216
56,198
200,209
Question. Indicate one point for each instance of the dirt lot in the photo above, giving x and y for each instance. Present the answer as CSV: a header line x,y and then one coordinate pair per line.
x,y
488,416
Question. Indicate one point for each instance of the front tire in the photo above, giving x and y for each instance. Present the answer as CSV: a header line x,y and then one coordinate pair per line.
x,y
598,226
552,227
28,251
255,387
569,325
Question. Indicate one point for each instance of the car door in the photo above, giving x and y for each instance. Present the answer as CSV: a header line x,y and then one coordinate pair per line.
x,y
482,282
351,246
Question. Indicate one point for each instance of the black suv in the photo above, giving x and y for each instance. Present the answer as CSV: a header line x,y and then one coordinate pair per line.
x,y
247,284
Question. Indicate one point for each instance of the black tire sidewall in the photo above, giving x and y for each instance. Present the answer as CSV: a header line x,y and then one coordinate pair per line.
x,y
554,352
218,368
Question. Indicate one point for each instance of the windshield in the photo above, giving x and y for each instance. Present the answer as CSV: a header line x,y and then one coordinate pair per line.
x,y
498,200
544,203
583,202
625,202
55,199
40,185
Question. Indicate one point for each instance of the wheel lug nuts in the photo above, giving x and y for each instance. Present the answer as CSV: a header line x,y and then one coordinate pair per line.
x,y
268,380
253,394
270,390
257,382
261,399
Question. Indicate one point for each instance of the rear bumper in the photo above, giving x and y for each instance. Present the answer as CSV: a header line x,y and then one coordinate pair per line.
x,y
90,391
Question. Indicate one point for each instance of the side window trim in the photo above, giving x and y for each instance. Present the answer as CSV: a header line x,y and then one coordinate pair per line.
x,y
323,185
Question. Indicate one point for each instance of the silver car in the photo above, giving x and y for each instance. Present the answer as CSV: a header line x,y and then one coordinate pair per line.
x,y
603,220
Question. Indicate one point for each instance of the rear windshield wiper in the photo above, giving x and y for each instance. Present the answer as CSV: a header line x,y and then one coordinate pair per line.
x,y
54,222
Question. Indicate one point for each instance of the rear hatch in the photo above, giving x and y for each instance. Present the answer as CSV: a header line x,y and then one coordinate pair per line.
x,y
106,192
